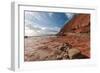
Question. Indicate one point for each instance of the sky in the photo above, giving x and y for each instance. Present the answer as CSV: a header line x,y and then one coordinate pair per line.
x,y
44,23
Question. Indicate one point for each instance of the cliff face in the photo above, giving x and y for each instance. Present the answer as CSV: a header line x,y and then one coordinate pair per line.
x,y
80,23
75,30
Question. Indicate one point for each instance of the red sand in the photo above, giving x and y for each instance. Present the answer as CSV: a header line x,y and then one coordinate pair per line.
x,y
43,48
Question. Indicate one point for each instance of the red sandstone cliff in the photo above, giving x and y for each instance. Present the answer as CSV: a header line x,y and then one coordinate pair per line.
x,y
80,23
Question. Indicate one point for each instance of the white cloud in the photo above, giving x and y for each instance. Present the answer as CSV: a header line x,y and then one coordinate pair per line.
x,y
69,15
52,29
33,27
38,32
33,15
30,32
50,14
28,22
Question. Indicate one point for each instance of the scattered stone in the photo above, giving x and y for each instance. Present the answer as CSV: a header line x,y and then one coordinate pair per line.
x,y
65,47
72,52
79,56
67,52
62,51
25,36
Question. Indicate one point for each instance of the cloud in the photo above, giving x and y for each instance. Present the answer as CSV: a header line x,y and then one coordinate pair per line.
x,y
30,32
50,14
38,31
35,29
42,23
69,15
33,16
52,29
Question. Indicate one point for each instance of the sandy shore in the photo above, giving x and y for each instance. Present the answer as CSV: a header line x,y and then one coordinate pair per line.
x,y
45,47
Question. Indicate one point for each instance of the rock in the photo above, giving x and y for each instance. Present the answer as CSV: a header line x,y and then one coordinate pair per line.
x,y
72,52
65,56
64,47
79,56
80,23
59,57
74,31
25,36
